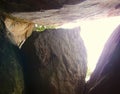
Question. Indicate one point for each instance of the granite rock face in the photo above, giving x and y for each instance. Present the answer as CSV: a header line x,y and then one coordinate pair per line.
x,y
56,62
105,78
11,73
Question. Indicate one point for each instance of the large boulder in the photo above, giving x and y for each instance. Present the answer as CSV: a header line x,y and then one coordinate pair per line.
x,y
105,78
84,11
56,62
11,72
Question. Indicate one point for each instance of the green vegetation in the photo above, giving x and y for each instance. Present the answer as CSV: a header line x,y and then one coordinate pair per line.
x,y
41,28
89,73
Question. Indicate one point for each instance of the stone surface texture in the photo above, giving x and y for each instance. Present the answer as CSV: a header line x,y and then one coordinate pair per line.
x,y
85,10
56,62
11,72
19,28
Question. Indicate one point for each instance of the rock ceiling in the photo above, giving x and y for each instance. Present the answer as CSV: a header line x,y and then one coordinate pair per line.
x,y
85,10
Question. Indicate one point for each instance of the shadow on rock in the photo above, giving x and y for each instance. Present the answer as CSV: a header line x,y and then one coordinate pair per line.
x,y
11,72
56,62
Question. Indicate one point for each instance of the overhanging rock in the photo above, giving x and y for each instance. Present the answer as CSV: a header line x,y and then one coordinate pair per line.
x,y
86,10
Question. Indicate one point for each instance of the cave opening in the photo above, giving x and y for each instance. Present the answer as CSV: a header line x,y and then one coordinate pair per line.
x,y
94,33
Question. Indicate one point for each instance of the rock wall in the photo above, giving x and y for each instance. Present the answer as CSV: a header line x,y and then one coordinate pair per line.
x,y
56,62
11,72
105,78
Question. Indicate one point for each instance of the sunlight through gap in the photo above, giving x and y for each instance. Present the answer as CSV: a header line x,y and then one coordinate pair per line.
x,y
95,34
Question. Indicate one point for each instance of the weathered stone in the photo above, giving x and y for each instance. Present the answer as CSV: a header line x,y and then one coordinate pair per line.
x,y
105,78
57,12
86,10
56,62
11,73
20,29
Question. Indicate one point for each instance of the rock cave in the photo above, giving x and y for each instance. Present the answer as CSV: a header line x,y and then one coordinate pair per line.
x,y
44,46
